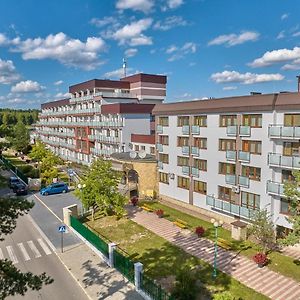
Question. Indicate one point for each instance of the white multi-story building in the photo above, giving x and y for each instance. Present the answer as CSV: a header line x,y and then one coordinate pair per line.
x,y
230,156
101,116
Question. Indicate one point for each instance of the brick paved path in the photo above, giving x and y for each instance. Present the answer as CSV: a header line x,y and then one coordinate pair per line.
x,y
265,281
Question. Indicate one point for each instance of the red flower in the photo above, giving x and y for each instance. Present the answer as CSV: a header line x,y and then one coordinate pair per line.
x,y
260,258
199,231
134,200
160,212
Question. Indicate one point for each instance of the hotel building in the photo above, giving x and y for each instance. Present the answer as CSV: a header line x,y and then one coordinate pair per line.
x,y
229,156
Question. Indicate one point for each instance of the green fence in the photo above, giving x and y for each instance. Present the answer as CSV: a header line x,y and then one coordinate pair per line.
x,y
152,289
90,236
124,265
13,168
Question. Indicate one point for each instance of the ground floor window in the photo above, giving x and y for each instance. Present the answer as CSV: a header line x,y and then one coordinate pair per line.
x,y
164,177
200,187
183,182
250,200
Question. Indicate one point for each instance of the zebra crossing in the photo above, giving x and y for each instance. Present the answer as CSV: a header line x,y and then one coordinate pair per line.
x,y
25,251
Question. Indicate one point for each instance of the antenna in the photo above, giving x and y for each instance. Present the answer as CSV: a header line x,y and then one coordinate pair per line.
x,y
124,66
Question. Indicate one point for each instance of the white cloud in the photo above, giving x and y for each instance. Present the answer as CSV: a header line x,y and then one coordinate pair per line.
x,y
62,95
284,16
3,40
8,73
295,65
276,56
172,4
171,49
234,39
131,52
296,34
136,5
16,100
229,88
59,82
141,41
246,78
103,22
60,47
281,35
169,23
119,73
179,53
27,86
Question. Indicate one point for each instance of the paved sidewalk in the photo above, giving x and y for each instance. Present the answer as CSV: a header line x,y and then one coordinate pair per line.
x,y
265,281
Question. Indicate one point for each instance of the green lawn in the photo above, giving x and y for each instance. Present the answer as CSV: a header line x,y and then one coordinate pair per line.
x,y
282,264
162,260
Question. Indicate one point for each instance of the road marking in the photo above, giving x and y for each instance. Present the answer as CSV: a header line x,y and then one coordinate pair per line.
x,y
34,249
44,246
1,254
24,252
12,255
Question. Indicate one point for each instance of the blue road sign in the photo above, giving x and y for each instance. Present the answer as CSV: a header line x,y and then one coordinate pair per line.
x,y
62,228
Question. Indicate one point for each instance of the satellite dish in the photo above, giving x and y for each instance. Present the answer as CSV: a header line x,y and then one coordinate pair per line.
x,y
142,154
132,154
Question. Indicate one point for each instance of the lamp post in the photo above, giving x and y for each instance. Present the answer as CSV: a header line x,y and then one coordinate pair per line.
x,y
216,224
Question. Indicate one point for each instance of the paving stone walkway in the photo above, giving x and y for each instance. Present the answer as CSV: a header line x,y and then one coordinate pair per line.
x,y
265,281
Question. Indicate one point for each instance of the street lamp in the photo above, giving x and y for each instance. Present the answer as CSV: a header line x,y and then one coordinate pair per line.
x,y
216,224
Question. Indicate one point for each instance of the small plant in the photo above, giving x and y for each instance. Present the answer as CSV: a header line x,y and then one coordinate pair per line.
x,y
261,259
134,200
199,231
160,213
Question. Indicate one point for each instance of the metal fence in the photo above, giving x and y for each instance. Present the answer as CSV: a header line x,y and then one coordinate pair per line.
x,y
90,236
124,265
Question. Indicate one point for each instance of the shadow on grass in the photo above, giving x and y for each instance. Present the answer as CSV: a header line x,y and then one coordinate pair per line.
x,y
296,262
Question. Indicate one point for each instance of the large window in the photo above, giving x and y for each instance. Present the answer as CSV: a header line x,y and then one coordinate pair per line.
x,y
253,147
200,121
164,158
250,200
287,175
164,139
225,168
183,182
164,177
291,148
200,143
182,141
181,121
285,206
228,120
200,164
163,121
224,193
252,120
200,187
182,161
251,172
227,144
292,120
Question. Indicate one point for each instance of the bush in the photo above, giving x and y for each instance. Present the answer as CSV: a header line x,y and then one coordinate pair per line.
x,y
25,169
160,213
199,231
134,200
224,296
260,258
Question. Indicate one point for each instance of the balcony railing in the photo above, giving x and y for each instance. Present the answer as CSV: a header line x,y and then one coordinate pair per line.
x,y
275,188
244,181
196,129
195,151
160,165
230,179
282,161
280,131
231,155
195,172
105,139
185,150
245,130
186,129
231,130
185,170
159,147
230,208
244,156
159,129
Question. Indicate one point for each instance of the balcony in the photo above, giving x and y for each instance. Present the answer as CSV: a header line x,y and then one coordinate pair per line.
x,y
195,151
186,129
185,150
244,156
196,129
185,170
230,179
230,208
284,132
245,130
195,172
282,161
159,147
275,188
160,165
231,130
244,181
159,129
231,155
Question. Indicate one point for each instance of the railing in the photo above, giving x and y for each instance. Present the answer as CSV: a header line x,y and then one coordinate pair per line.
x,y
278,160
230,179
159,147
245,130
244,181
195,172
195,151
185,150
231,130
124,265
280,131
90,110
196,129
229,207
13,168
91,123
160,165
244,156
185,170
186,129
231,155
159,129
105,139
275,188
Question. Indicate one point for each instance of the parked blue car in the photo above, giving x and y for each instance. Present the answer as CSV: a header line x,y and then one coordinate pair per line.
x,y
54,188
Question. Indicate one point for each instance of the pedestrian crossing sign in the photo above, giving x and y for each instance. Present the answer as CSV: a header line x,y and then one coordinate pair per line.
x,y
62,228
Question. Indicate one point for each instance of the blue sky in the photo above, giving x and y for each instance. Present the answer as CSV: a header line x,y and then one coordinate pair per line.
x,y
207,48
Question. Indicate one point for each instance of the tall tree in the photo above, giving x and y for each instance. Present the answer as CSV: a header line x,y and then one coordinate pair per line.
x,y
12,280
21,138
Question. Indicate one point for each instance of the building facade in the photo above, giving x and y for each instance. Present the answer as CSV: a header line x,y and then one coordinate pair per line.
x,y
230,156
101,116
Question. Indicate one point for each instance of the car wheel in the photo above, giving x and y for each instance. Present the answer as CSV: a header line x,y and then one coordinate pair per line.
x,y
46,194
64,191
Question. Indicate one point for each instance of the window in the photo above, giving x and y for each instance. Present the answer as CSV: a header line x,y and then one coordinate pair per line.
x,y
182,141
287,175
164,177
251,172
164,158
227,144
143,148
252,120
136,147
163,121
224,193
200,164
292,120
250,200
152,150
291,148
183,182
228,120
200,187
200,143
225,168
285,206
182,161
181,121
164,140
200,121
253,147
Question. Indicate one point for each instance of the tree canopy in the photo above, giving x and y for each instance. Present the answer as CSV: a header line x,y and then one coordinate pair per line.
x,y
20,137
